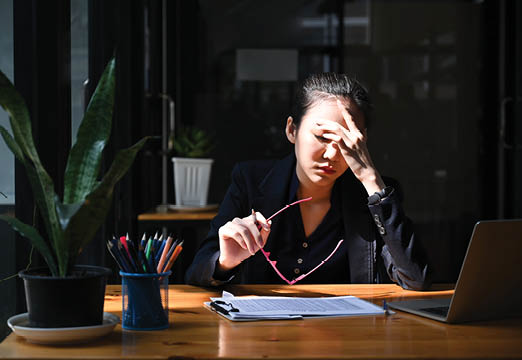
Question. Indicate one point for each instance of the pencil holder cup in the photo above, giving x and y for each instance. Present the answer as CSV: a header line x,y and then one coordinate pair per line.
x,y
145,301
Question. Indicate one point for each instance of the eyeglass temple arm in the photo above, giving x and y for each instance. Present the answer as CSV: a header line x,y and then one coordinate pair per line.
x,y
273,264
287,206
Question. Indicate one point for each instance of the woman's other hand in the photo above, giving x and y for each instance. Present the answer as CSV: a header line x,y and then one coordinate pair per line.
x,y
241,238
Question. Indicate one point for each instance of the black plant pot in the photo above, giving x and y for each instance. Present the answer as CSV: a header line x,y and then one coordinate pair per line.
x,y
72,301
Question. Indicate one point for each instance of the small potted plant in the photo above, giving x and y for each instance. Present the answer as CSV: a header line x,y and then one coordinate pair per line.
x,y
64,294
191,167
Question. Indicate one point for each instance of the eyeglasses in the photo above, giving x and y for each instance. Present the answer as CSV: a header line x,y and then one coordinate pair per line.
x,y
273,262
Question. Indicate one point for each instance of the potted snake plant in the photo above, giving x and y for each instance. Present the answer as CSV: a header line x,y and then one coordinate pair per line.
x,y
191,166
64,294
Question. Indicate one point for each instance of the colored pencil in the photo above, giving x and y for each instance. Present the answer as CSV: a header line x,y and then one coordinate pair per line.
x,y
159,252
152,255
174,256
134,255
143,259
123,256
116,258
163,257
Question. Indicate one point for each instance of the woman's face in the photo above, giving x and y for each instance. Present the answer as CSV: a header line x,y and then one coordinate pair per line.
x,y
319,160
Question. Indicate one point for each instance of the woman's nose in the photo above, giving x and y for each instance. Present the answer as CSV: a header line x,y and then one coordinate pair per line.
x,y
331,152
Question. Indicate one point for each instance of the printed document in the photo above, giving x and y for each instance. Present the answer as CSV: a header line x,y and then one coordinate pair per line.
x,y
283,307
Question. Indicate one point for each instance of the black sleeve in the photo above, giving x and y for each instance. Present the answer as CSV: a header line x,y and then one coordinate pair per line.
x,y
201,271
402,253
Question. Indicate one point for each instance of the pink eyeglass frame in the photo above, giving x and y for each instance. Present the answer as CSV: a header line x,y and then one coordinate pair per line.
x,y
274,262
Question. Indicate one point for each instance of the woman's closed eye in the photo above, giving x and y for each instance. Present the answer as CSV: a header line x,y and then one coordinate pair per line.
x,y
325,133
320,135
321,138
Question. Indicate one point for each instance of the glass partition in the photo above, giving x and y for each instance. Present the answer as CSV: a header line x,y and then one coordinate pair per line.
x,y
7,178
6,65
422,63
79,62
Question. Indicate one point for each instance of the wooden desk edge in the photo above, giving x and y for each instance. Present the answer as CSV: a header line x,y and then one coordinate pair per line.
x,y
155,216
198,333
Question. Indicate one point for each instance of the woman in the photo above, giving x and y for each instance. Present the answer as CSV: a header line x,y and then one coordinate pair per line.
x,y
353,224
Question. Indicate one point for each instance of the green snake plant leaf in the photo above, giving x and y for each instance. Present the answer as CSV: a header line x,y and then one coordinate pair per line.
x,y
12,145
50,218
32,176
84,160
70,224
38,242
66,212
41,182
14,105
86,221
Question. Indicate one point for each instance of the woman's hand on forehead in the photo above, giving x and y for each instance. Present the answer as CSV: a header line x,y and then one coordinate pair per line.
x,y
334,131
326,129
352,118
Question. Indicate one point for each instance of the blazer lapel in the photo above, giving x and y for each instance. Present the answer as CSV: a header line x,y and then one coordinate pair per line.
x,y
273,191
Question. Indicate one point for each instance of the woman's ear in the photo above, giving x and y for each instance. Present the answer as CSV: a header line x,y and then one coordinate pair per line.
x,y
291,130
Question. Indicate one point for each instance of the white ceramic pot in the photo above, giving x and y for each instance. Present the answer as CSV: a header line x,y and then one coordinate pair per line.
x,y
191,180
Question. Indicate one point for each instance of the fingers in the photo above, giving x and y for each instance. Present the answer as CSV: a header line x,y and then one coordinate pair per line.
x,y
332,130
332,137
352,126
260,219
264,227
239,234
324,125
232,231
247,230
250,233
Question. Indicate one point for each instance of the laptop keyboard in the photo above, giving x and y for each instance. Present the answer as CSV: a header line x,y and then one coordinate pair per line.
x,y
439,310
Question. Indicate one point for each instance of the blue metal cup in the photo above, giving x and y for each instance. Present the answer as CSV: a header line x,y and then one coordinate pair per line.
x,y
145,301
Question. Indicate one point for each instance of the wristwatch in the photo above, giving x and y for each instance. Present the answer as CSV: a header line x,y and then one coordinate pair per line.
x,y
379,195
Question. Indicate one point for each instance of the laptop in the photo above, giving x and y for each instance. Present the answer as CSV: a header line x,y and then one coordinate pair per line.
x,y
490,280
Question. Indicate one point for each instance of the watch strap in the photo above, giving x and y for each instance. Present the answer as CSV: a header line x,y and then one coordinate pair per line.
x,y
377,197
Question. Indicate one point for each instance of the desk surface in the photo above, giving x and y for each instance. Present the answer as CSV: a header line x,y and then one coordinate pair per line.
x,y
177,215
198,333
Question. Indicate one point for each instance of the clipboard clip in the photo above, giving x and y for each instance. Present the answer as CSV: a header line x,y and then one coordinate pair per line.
x,y
218,306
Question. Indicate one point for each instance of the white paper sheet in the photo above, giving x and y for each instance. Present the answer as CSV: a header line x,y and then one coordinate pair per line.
x,y
282,307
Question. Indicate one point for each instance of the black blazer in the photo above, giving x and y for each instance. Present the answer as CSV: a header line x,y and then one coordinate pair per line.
x,y
394,255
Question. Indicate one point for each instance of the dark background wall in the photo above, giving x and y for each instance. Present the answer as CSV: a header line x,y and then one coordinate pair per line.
x,y
428,67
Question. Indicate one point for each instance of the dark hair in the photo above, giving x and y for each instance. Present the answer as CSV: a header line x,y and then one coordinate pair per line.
x,y
321,86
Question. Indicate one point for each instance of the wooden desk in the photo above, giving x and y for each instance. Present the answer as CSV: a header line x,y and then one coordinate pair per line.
x,y
197,333
177,216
